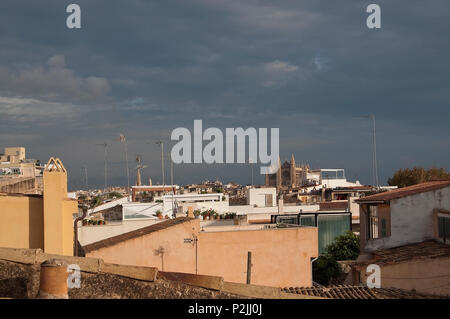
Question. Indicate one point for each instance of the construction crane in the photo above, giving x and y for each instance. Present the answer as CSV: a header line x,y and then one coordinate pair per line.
x,y
139,168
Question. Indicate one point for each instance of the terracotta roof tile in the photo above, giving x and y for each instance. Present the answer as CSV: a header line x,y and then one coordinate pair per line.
x,y
359,292
134,234
334,205
405,191
423,250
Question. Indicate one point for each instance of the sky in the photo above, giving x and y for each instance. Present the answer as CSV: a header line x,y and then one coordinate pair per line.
x,y
140,68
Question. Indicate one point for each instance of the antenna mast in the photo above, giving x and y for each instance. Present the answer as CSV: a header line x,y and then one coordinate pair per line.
x,y
105,145
374,152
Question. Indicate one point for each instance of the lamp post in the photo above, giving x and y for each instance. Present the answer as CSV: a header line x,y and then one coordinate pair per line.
x,y
86,178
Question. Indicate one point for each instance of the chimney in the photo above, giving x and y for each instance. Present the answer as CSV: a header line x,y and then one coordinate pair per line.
x,y
280,206
190,213
53,280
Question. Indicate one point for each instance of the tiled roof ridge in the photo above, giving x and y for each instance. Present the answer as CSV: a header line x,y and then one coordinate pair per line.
x,y
406,191
111,241
359,292
426,249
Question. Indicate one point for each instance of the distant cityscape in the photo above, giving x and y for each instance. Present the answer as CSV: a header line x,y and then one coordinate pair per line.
x,y
298,215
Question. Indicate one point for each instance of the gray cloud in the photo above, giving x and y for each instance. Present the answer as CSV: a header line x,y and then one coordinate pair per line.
x,y
54,82
309,67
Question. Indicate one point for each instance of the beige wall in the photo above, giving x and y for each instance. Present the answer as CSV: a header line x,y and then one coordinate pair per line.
x,y
429,275
45,222
90,234
58,214
17,154
280,257
21,221
146,250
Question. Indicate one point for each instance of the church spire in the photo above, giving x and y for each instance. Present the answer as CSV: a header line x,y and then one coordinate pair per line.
x,y
293,174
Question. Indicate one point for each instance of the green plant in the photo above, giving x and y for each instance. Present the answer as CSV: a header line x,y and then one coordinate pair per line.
x,y
158,213
96,201
325,268
218,190
115,195
344,247
416,175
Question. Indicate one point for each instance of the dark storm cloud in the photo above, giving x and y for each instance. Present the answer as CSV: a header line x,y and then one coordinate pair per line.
x,y
311,68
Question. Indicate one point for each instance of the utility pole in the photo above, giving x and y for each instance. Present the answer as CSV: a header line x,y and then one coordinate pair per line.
x,y
105,145
171,170
249,267
161,143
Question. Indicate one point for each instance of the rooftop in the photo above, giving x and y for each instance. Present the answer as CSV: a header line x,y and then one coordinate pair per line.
x,y
359,292
155,187
424,250
135,234
405,191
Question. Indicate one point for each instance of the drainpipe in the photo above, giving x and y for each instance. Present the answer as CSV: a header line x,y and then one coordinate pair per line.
x,y
75,229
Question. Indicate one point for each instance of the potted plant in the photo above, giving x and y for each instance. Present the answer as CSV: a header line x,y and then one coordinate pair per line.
x,y
197,213
85,222
205,214
159,214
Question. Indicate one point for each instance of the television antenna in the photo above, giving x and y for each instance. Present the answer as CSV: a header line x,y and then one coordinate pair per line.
x,y
105,145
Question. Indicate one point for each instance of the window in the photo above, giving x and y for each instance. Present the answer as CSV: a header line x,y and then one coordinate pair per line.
x,y
333,174
373,222
443,227
329,175
269,200
383,227
378,221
